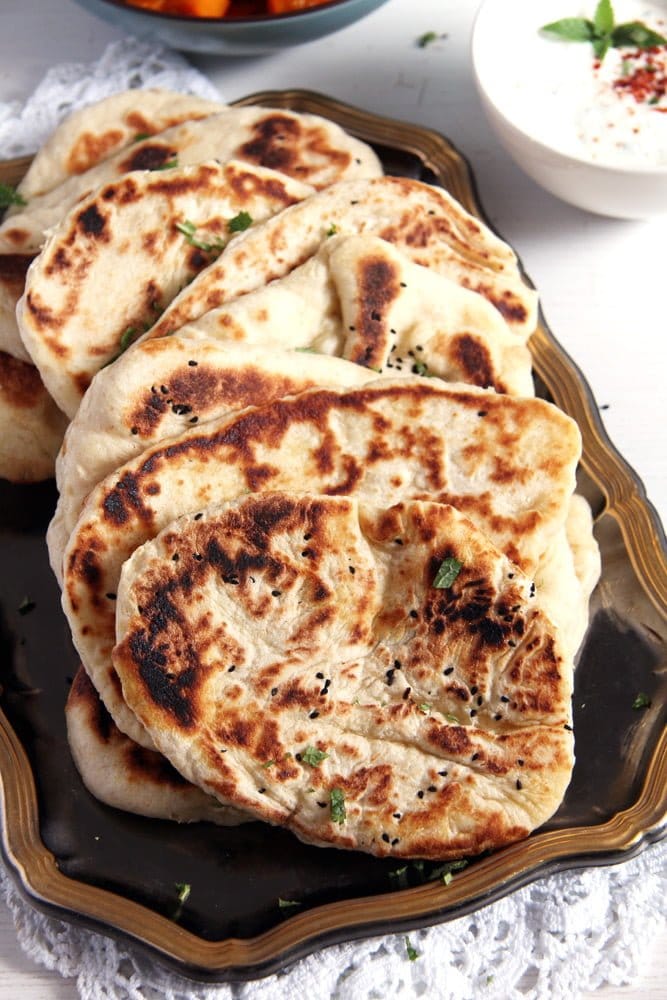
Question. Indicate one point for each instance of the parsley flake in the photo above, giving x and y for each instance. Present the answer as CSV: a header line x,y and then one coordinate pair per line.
x,y
183,889
424,707
239,222
427,39
332,230
313,756
413,954
642,701
169,165
189,229
448,571
337,801
268,763
287,904
10,196
140,136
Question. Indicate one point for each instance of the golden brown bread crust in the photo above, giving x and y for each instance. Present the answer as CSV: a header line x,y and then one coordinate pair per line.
x,y
280,622
31,426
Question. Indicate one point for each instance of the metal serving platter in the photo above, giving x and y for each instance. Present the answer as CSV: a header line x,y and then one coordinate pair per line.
x,y
85,862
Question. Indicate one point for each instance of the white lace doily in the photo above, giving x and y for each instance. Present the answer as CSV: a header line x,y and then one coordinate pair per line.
x,y
549,941
124,65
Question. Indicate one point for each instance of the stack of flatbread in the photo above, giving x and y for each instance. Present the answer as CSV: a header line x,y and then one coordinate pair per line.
x,y
318,542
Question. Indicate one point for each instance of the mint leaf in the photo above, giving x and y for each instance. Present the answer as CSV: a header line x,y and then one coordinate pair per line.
x,y
603,19
413,954
573,29
635,33
448,571
10,196
601,46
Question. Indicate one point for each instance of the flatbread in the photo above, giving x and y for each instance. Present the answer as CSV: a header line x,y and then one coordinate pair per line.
x,y
421,220
98,131
13,269
160,388
360,298
508,463
123,246
31,426
307,148
118,772
439,717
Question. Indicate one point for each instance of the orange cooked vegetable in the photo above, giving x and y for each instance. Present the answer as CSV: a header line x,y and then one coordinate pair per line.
x,y
186,8
288,6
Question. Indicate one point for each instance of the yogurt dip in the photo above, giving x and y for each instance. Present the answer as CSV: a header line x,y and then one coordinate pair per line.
x,y
612,112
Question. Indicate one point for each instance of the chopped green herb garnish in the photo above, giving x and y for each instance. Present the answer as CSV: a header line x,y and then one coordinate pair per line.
x,y
427,39
169,165
306,350
420,368
413,955
446,872
489,980
10,196
183,889
337,800
239,222
287,904
189,229
602,33
424,707
448,571
268,763
398,872
313,756
126,338
332,230
140,136
451,718
642,701
26,606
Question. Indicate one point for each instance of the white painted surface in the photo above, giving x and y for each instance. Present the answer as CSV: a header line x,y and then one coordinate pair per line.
x,y
602,281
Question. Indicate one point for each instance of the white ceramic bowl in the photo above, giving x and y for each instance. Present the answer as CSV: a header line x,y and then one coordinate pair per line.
x,y
538,139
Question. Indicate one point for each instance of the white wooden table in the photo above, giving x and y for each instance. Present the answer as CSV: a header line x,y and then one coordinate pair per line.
x,y
602,281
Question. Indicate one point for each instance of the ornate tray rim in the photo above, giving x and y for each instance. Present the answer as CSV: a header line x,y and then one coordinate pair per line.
x,y
35,869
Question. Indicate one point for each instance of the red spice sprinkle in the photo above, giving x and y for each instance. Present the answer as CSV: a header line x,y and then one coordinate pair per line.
x,y
645,75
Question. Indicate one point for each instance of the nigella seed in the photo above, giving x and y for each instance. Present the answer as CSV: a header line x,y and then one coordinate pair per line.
x,y
398,541
375,316
498,716
474,689
134,430
194,420
352,570
519,786
319,675
164,389
397,664
510,576
275,593
513,645
443,774
390,677
474,756
504,698
397,815
261,791
473,713
230,670
414,614
406,694
322,805
448,670
482,413
569,728
193,364
395,841
532,590
313,715
420,794
111,596
297,756
198,556
520,762
274,692
307,537
431,788
403,284
352,329
386,838
199,515
480,701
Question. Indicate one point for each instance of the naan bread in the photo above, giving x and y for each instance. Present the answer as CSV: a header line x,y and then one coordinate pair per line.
x,y
507,463
13,270
31,426
160,388
362,299
423,221
281,627
307,148
567,574
118,772
123,246
96,132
